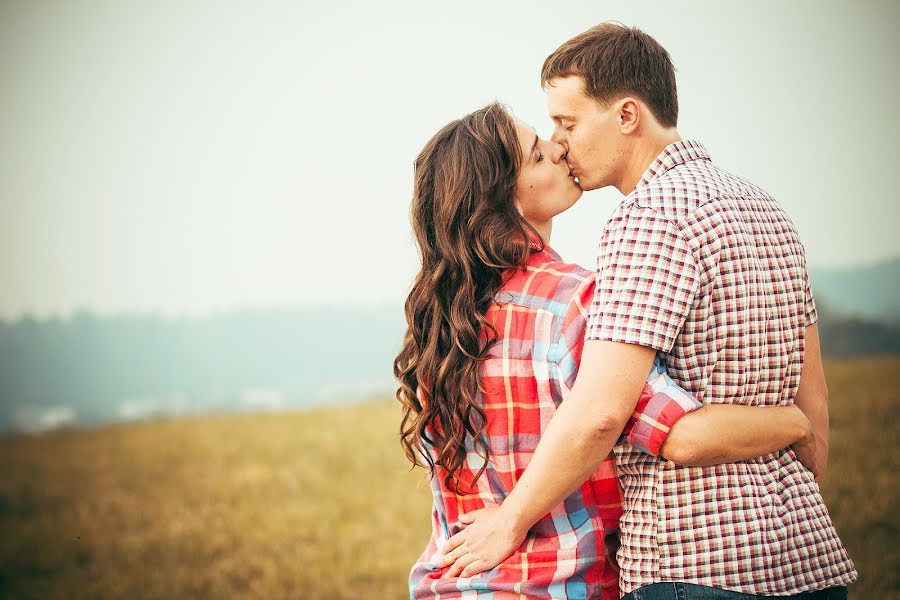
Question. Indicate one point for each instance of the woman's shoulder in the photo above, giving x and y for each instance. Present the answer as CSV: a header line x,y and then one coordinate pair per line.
x,y
570,276
550,263
547,282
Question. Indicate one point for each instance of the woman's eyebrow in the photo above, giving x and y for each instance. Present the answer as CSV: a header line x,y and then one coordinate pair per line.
x,y
534,145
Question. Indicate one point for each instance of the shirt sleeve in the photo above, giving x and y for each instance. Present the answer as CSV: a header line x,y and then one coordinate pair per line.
x,y
662,401
661,404
811,314
571,338
647,281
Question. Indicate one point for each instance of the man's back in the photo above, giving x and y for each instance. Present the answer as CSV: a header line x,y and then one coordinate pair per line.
x,y
706,268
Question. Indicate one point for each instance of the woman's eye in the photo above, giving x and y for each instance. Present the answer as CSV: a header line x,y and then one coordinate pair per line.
x,y
540,156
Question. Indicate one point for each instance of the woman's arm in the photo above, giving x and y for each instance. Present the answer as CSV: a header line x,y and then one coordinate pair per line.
x,y
671,422
725,433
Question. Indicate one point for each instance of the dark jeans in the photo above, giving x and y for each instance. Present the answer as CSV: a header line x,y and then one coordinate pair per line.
x,y
689,591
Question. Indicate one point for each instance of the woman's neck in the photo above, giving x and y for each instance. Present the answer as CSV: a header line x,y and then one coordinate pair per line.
x,y
544,229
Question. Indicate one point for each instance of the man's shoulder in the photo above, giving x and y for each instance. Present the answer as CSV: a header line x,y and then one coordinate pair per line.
x,y
691,189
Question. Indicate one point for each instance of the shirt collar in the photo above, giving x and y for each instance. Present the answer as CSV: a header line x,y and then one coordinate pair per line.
x,y
540,257
673,155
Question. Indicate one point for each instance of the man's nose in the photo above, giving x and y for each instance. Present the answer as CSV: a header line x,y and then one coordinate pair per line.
x,y
558,136
557,152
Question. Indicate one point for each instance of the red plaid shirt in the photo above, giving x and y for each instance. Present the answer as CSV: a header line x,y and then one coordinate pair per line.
x,y
706,268
540,317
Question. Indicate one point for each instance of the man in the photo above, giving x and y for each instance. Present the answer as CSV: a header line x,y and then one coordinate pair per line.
x,y
707,269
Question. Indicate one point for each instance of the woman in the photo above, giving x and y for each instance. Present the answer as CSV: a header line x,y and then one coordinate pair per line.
x,y
495,330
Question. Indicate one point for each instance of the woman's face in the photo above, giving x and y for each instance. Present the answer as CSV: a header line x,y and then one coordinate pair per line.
x,y
545,186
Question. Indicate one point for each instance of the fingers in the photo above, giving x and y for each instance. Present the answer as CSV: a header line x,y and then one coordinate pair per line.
x,y
474,568
461,564
452,548
451,557
468,565
469,518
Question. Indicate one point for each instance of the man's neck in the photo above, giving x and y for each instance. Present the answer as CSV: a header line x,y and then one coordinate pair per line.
x,y
645,152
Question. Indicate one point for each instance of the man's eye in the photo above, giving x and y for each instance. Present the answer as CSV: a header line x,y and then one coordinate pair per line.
x,y
569,128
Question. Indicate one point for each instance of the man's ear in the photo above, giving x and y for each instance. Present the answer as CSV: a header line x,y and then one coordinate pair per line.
x,y
629,115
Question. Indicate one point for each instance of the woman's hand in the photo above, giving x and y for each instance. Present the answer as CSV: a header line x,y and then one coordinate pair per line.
x,y
807,451
489,539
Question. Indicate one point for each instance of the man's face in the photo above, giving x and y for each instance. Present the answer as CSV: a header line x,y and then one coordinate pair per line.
x,y
588,130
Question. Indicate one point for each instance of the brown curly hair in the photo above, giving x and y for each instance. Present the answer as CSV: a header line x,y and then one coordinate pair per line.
x,y
469,234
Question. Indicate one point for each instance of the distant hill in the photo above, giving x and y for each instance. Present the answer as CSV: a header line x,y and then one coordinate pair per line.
x,y
859,309
92,369
871,292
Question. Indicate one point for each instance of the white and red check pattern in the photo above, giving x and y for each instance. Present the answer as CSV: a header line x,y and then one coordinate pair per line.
x,y
707,268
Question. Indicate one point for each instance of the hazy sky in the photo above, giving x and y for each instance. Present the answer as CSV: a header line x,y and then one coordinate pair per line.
x,y
191,156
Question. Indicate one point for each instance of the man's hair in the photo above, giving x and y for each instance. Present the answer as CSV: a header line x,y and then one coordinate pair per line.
x,y
616,61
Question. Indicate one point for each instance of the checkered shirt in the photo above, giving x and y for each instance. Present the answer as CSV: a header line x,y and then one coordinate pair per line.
x,y
707,269
540,316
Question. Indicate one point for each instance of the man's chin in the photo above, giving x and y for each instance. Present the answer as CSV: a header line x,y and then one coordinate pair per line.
x,y
586,185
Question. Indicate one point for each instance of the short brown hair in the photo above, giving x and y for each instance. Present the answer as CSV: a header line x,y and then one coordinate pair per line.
x,y
615,60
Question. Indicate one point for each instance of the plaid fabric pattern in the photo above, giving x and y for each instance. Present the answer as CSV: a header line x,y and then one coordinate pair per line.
x,y
706,268
540,316
661,404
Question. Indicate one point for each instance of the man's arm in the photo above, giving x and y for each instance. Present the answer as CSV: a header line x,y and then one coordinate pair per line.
x,y
725,433
812,399
578,438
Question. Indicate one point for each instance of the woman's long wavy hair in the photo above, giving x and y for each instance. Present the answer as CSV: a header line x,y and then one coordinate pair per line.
x,y
469,234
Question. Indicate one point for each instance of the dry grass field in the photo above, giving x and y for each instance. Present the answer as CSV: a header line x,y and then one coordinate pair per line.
x,y
321,504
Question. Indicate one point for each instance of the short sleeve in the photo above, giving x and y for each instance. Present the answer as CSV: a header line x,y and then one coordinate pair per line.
x,y
571,337
811,314
647,281
661,405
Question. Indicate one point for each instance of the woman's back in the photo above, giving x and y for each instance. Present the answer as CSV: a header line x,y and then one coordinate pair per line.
x,y
539,317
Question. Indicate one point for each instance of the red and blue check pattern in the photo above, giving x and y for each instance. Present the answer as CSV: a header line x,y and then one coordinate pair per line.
x,y
540,316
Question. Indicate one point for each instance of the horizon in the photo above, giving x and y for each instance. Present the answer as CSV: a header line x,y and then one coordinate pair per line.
x,y
383,306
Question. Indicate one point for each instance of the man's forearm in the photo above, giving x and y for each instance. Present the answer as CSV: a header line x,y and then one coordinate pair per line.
x,y
583,430
571,448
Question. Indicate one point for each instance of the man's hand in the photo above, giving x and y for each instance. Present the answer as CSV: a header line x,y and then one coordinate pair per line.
x,y
578,438
488,540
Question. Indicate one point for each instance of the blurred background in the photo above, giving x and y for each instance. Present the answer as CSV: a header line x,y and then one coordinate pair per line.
x,y
205,247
